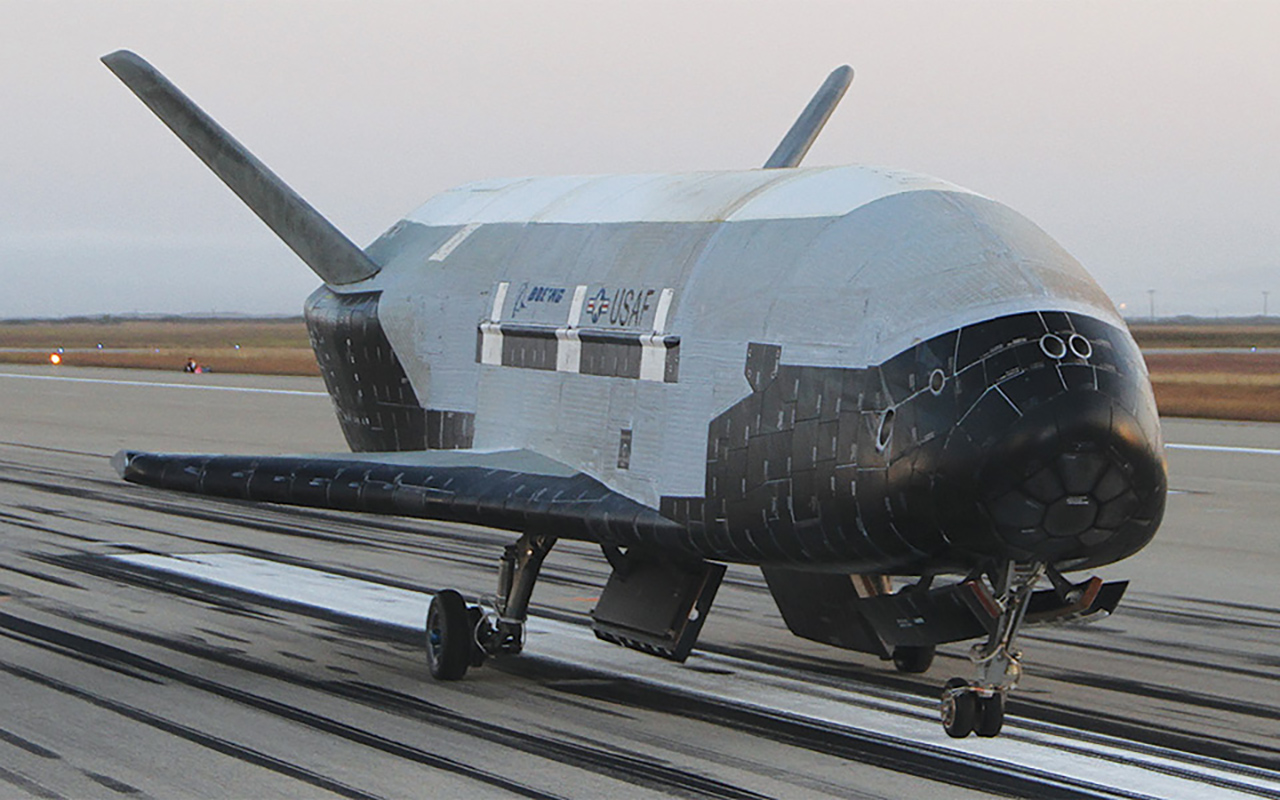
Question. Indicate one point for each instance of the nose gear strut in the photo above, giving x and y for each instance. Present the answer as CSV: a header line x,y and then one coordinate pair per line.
x,y
978,706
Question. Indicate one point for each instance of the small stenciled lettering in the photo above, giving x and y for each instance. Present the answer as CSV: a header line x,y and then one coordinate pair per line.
x,y
621,307
536,293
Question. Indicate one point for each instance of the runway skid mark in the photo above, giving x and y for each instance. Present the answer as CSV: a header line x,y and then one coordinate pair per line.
x,y
632,769
1039,757
99,653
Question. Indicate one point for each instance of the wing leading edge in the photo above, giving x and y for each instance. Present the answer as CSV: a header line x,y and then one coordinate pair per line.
x,y
513,490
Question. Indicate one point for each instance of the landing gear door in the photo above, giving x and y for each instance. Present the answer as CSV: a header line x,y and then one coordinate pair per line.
x,y
823,607
655,606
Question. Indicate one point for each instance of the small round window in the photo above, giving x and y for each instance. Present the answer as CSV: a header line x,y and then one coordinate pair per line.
x,y
937,380
1080,345
1052,346
886,430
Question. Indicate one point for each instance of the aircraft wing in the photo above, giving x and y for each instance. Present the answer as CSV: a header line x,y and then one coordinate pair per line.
x,y
516,490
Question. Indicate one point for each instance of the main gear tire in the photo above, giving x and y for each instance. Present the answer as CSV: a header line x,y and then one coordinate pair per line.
x,y
913,659
449,636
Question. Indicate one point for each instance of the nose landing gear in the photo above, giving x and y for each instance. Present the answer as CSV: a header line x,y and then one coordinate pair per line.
x,y
972,708
978,706
459,636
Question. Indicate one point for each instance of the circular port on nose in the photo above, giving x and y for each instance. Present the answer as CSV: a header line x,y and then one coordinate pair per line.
x,y
886,430
1080,345
937,380
1052,346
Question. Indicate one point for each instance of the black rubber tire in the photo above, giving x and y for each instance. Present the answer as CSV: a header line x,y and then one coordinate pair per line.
x,y
913,659
990,716
448,636
959,711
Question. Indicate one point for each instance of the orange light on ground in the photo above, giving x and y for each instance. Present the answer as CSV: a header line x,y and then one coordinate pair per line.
x,y
55,359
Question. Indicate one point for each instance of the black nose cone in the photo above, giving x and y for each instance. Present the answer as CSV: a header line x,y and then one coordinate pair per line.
x,y
1059,459
1075,481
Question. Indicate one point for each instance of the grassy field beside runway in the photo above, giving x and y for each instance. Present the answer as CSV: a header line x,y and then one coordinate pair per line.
x,y
255,346
1243,384
1216,385
1261,332
1240,385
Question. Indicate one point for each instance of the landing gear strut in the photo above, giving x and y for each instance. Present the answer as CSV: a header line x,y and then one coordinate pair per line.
x,y
461,636
978,706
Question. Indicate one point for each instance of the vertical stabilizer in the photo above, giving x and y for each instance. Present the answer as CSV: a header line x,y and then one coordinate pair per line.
x,y
793,147
334,257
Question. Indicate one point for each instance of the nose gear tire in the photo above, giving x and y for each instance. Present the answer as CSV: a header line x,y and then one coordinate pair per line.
x,y
959,708
990,715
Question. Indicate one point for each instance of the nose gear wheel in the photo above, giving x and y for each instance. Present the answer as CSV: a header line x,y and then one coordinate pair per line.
x,y
978,706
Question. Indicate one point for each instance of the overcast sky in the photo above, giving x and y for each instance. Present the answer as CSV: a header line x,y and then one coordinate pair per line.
x,y
1145,137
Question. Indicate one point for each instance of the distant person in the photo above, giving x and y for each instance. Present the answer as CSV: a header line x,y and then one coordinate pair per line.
x,y
191,366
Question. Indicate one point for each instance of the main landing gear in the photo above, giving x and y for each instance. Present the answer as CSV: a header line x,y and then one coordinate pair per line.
x,y
913,659
461,636
978,706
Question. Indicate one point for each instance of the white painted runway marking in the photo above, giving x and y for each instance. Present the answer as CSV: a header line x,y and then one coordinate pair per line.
x,y
1211,448
249,389
1221,448
1043,749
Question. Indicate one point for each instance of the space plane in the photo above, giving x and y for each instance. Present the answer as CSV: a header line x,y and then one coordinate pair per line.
x,y
903,401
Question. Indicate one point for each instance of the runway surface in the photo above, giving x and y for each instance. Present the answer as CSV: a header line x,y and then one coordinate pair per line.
x,y
154,644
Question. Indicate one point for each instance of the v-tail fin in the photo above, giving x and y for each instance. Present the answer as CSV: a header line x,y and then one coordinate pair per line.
x,y
804,131
334,257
